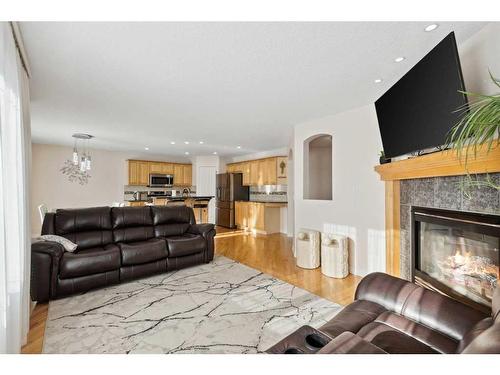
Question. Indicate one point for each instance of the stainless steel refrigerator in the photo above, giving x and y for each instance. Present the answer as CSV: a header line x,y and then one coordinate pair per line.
x,y
229,190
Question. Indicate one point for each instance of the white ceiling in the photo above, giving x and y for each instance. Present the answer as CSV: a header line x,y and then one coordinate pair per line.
x,y
136,85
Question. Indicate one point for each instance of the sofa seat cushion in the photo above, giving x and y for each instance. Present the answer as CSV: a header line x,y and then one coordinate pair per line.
x,y
353,317
187,244
393,341
143,251
89,261
430,337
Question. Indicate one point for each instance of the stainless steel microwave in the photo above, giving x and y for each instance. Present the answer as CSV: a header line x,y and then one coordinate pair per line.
x,y
161,180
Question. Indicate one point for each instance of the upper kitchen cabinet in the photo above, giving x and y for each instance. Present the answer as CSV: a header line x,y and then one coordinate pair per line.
x,y
178,174
167,168
187,171
155,167
268,171
138,172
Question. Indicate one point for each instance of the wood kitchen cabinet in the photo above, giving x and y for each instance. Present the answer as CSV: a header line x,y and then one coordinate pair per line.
x,y
139,170
267,171
246,173
178,174
136,204
258,217
167,168
187,173
254,173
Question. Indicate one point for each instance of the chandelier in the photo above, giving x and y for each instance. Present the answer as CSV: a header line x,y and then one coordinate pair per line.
x,y
78,167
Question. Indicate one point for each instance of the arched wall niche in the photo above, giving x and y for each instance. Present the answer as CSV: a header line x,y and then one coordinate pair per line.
x,y
318,159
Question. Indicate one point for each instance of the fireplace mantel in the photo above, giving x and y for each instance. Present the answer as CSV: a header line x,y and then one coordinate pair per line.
x,y
445,163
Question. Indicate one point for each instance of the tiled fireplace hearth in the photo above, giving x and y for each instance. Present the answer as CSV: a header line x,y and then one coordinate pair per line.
x,y
443,193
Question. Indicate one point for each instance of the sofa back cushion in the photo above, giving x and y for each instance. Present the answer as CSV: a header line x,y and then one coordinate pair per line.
x,y
132,224
440,313
172,221
86,227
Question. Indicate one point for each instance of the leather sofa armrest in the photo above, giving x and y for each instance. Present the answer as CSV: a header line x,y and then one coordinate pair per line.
x,y
350,343
45,258
202,229
208,232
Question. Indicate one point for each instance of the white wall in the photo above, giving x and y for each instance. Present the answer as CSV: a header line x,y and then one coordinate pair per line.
x,y
357,208
50,187
478,54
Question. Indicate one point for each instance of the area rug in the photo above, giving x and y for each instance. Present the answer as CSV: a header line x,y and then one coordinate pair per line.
x,y
220,307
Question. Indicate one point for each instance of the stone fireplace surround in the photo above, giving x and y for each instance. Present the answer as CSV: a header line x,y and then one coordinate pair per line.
x,y
440,192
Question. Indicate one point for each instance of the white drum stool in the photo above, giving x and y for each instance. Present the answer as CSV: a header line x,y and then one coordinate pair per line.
x,y
334,255
307,248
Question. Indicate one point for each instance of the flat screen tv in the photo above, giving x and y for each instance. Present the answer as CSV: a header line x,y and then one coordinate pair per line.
x,y
420,109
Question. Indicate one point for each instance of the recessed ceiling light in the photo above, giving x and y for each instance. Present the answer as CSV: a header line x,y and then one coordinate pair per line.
x,y
399,59
378,80
201,142
186,153
146,148
186,142
238,147
432,26
172,143
215,152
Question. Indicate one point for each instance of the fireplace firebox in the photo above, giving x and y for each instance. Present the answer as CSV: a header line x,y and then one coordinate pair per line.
x,y
456,254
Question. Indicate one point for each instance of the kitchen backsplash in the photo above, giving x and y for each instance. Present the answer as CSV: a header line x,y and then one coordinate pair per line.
x,y
268,193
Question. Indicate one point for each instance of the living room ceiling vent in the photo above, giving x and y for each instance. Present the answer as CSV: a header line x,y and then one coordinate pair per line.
x,y
78,167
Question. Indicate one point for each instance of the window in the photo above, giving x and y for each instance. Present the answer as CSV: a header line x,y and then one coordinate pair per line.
x,y
318,167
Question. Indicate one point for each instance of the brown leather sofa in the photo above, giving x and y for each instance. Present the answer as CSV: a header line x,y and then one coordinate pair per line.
x,y
114,245
391,315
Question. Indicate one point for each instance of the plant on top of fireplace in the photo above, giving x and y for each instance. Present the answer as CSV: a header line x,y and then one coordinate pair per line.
x,y
480,124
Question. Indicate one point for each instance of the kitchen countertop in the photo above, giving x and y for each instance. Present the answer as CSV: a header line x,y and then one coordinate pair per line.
x,y
267,202
169,197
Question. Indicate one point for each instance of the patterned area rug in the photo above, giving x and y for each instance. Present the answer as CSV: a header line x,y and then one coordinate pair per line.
x,y
221,307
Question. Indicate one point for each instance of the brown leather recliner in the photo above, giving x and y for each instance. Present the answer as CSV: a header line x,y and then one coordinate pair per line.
x,y
391,315
115,244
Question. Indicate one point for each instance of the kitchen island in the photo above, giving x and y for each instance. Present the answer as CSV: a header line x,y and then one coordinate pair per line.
x,y
199,203
259,216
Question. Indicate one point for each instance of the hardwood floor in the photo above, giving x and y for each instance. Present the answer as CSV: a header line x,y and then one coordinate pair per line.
x,y
271,254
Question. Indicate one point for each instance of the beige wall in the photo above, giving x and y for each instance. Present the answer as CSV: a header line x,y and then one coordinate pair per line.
x,y
50,187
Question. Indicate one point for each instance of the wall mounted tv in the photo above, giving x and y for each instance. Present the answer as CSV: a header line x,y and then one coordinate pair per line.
x,y
420,109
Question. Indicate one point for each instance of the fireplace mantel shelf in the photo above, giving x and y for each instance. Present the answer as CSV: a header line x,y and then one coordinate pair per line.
x,y
445,163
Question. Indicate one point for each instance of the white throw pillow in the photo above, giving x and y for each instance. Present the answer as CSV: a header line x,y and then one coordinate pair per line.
x,y
67,244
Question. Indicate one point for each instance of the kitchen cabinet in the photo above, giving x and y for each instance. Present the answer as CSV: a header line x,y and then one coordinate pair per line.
x,y
267,171
258,217
139,170
155,167
246,173
167,168
136,204
178,174
254,173
187,171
